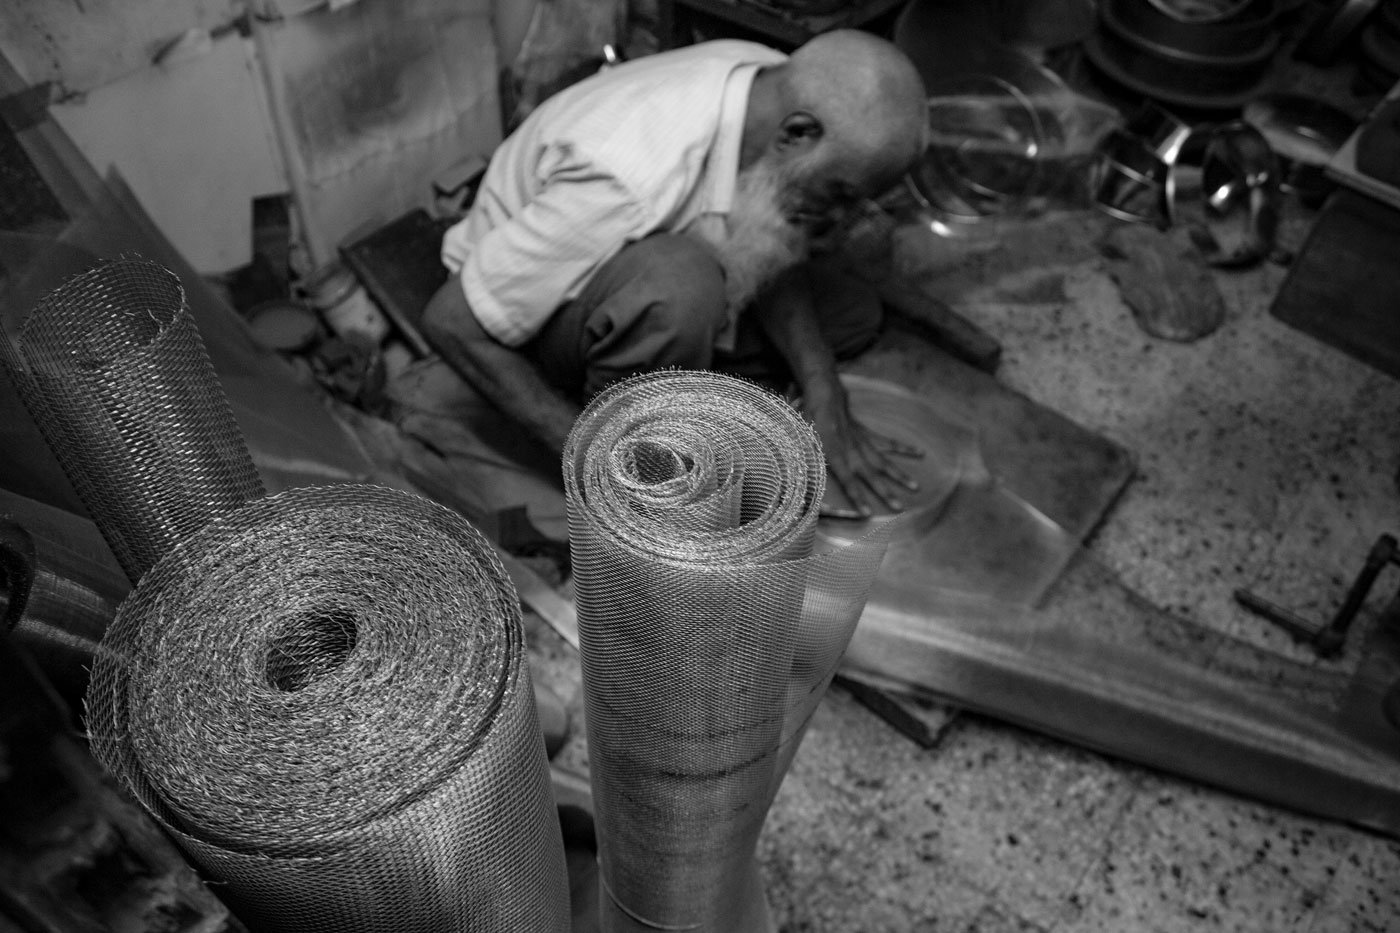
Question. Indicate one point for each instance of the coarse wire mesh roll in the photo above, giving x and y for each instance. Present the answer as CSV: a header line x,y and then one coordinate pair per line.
x,y
114,372
709,630
324,697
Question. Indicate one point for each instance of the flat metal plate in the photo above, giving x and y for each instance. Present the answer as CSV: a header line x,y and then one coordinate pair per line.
x,y
962,531
996,606
950,454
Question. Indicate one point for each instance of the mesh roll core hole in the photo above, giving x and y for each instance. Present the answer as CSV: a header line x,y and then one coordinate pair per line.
x,y
311,648
651,464
140,302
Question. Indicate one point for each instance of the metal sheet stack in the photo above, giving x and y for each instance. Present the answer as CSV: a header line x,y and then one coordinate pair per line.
x,y
322,695
709,631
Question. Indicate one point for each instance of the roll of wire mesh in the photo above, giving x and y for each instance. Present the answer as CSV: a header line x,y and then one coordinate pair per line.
x,y
115,374
324,697
709,630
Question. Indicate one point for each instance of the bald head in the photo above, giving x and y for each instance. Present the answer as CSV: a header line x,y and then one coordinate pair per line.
x,y
867,95
844,118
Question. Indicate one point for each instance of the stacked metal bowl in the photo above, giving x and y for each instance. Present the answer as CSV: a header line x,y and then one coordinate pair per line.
x,y
1203,54
1380,46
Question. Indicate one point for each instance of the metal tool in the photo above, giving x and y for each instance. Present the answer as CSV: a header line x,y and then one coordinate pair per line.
x,y
1328,639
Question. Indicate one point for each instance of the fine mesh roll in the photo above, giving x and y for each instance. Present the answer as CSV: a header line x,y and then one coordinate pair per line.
x,y
114,372
324,697
709,631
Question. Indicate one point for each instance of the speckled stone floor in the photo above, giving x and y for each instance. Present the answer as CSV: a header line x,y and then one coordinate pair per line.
x,y
1267,460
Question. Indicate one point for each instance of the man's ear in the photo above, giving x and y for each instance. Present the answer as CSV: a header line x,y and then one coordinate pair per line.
x,y
799,129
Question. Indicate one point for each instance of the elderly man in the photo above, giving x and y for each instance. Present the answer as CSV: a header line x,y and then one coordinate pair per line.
x,y
660,214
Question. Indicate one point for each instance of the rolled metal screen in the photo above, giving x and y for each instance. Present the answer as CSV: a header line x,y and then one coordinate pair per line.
x,y
709,631
114,372
324,697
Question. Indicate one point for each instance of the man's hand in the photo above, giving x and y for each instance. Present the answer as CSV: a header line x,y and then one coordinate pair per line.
x,y
859,460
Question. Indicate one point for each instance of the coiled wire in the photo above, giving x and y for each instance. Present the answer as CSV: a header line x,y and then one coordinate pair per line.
x,y
709,630
324,697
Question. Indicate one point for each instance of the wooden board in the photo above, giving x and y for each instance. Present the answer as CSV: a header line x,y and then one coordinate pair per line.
x,y
1342,285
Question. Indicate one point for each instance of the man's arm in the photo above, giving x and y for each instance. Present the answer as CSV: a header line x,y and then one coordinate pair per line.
x,y
500,373
854,456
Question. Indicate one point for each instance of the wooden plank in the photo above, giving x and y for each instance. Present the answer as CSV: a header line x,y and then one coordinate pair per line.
x,y
1342,284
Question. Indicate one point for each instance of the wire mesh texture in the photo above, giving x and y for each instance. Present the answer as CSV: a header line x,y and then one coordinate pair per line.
x,y
324,697
709,630
113,370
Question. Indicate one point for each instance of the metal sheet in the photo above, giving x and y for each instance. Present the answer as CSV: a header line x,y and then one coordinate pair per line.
x,y
997,607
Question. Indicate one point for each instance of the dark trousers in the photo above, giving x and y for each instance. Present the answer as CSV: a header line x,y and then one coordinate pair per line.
x,y
660,303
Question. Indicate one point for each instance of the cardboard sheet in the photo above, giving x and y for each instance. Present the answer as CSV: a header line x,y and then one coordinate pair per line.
x,y
374,100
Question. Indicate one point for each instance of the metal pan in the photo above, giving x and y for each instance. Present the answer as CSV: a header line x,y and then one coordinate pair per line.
x,y
1305,133
1241,34
1194,82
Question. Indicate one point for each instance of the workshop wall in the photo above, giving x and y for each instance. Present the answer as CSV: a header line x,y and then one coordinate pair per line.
x,y
193,137
83,46
350,107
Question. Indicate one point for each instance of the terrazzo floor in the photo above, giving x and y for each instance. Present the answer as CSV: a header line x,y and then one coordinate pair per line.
x,y
1267,460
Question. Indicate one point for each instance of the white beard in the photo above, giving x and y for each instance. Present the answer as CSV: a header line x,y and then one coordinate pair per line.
x,y
759,241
